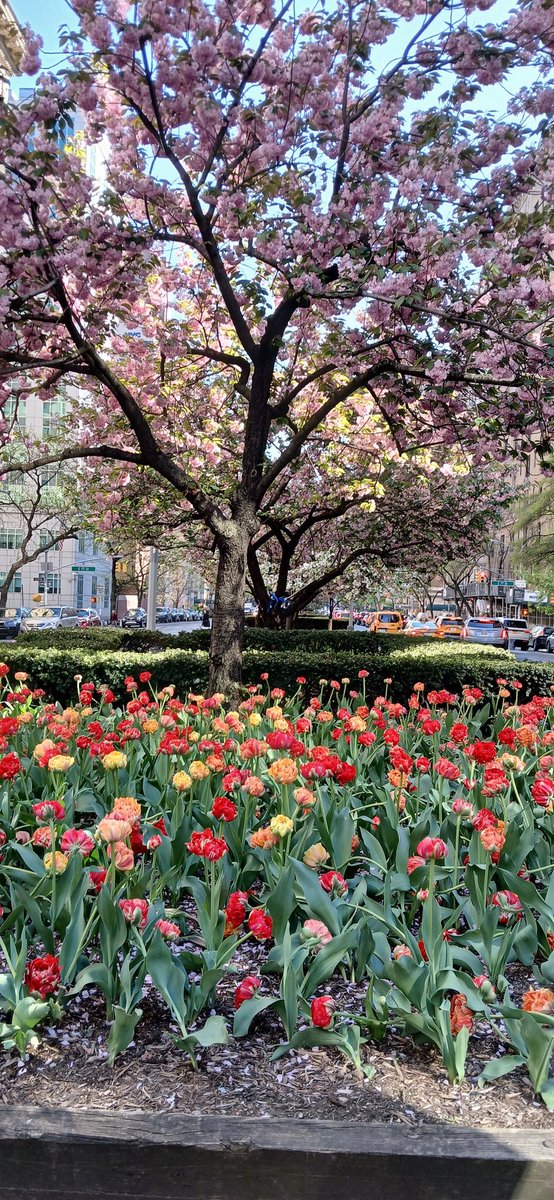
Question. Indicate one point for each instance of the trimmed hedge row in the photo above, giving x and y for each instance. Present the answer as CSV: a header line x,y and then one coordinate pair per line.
x,y
438,665
301,641
319,623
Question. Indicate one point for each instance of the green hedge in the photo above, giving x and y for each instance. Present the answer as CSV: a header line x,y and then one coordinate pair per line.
x,y
320,623
310,641
437,665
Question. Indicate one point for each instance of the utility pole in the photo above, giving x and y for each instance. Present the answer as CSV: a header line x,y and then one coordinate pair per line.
x,y
152,589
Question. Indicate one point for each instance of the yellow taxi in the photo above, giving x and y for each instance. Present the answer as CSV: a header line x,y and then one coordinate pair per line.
x,y
386,621
450,626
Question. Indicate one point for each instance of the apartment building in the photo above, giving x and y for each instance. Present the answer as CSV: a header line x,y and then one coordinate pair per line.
x,y
11,46
76,570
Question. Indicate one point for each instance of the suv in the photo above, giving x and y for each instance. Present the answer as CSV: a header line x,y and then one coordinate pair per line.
x,y
487,631
50,616
518,632
386,621
10,621
539,637
134,616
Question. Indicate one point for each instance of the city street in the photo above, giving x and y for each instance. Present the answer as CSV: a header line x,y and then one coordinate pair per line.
x,y
535,656
178,626
523,655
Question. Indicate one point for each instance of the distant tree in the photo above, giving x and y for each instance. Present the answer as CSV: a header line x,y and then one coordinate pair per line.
x,y
37,514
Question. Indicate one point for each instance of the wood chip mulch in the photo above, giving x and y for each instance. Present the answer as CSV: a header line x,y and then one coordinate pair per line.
x,y
410,1085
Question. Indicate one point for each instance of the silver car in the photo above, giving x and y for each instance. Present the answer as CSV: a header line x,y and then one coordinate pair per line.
x,y
486,631
519,633
50,616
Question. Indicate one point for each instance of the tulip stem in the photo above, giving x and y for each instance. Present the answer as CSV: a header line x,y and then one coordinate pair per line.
x,y
53,875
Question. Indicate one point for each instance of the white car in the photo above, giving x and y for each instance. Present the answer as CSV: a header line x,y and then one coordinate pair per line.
x,y
519,633
51,616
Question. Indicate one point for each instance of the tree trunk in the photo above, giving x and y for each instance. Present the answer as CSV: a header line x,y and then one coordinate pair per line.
x,y
228,616
4,590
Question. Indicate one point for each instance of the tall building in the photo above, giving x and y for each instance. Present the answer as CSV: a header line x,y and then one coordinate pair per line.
x,y
76,570
11,46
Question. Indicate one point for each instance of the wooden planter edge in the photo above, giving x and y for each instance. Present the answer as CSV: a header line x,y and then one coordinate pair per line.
x,y
55,1154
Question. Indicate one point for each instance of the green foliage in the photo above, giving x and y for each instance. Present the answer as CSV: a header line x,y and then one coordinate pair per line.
x,y
311,640
439,664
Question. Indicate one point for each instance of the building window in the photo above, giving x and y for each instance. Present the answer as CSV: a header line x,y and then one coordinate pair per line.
x,y
52,411
49,477
15,585
13,482
15,413
11,539
527,467
52,583
79,591
82,544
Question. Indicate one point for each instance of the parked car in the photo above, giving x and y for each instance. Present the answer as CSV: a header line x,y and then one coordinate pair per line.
x,y
519,633
550,643
89,618
487,631
10,621
450,626
134,617
386,621
50,616
163,616
539,637
415,628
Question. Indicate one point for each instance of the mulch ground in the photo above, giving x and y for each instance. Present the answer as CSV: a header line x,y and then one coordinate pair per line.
x,y
410,1086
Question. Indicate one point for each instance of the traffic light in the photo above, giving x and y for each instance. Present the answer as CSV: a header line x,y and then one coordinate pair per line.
x,y
481,576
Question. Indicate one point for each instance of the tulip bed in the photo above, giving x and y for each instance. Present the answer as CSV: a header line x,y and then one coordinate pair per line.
x,y
408,848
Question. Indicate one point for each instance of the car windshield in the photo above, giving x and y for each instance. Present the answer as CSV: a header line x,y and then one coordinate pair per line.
x,y
45,612
516,624
8,612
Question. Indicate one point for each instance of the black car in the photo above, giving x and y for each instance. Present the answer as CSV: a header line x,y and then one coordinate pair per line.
x,y
163,616
539,637
134,617
10,621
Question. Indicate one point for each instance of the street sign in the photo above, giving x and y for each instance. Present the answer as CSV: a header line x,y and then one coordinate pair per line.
x,y
83,569
503,583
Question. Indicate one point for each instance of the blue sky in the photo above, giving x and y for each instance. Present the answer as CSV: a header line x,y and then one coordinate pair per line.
x,y
46,16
